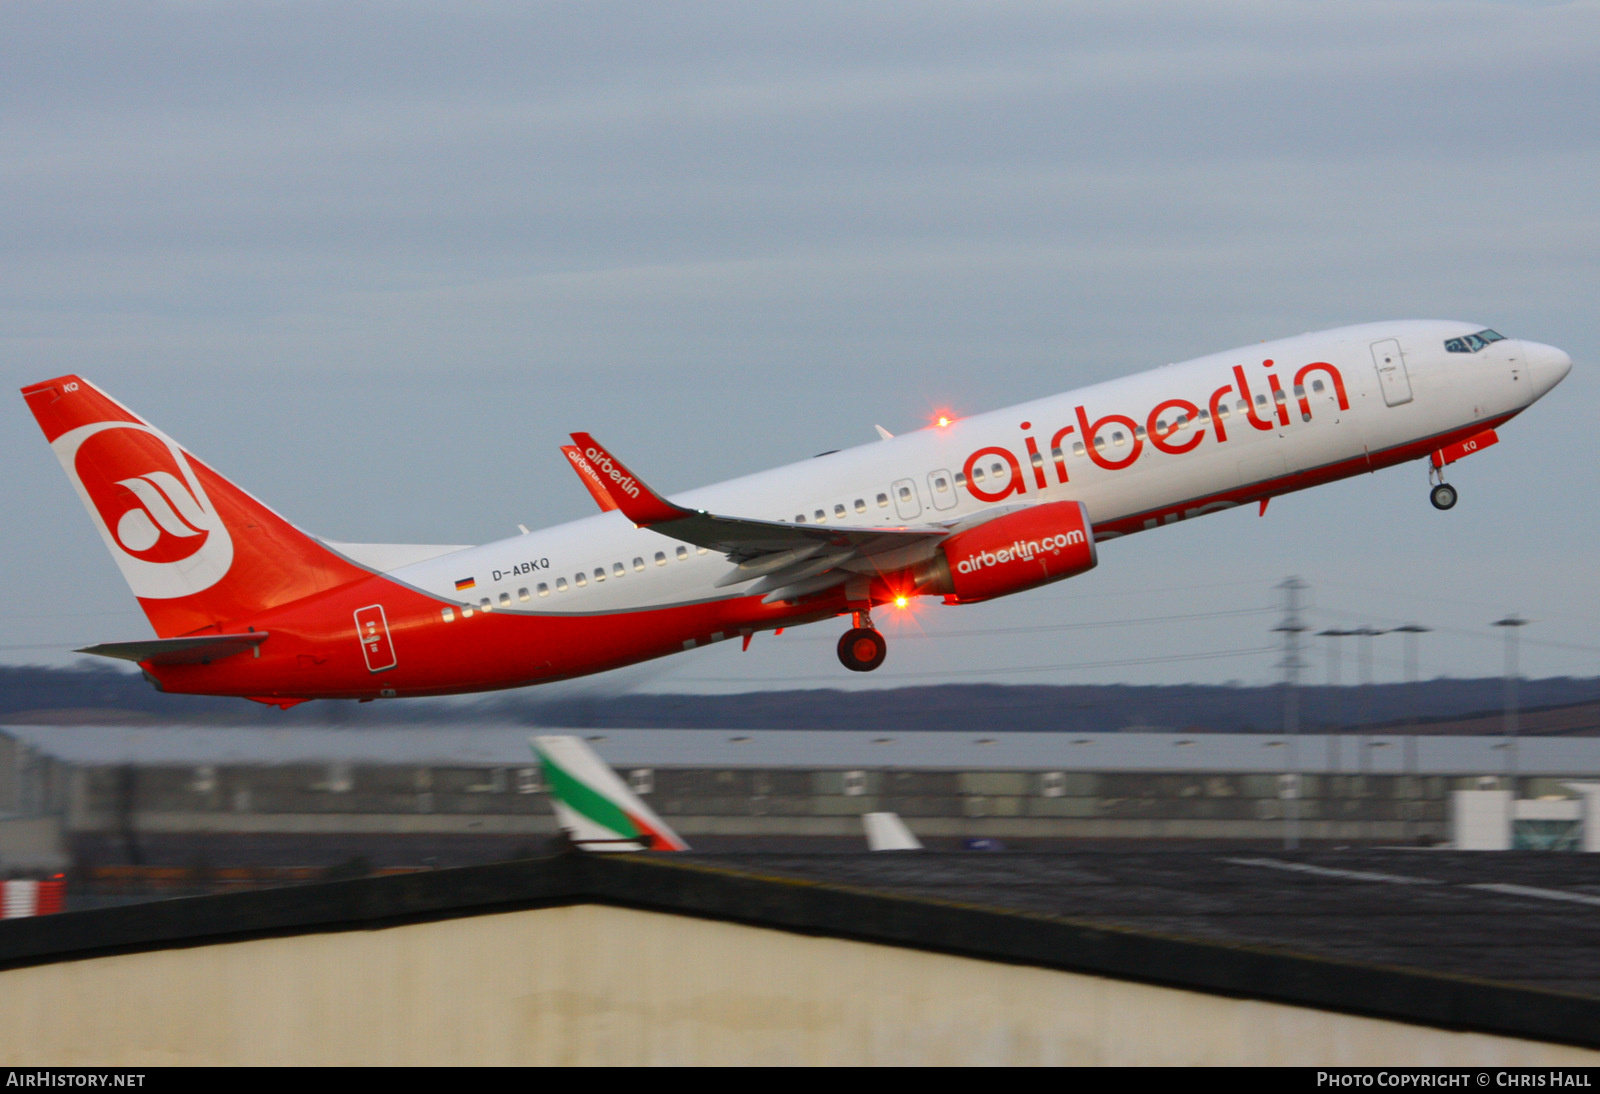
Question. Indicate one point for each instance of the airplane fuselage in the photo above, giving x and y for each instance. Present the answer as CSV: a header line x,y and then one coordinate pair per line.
x,y
1150,449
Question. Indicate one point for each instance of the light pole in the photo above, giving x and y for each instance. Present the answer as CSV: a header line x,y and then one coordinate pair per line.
x,y
1291,628
1411,630
1335,652
1511,623
1366,634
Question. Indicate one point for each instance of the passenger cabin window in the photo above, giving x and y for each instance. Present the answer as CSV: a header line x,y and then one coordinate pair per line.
x,y
838,512
905,493
996,469
941,484
683,553
561,584
449,614
883,501
799,518
638,565
861,505
820,517
1117,438
977,474
580,579
618,569
505,600
661,558
599,573
523,594
702,550
1318,386
1077,448
544,590
485,605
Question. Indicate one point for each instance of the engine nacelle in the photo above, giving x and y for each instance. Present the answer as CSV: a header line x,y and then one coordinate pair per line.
x,y
1008,554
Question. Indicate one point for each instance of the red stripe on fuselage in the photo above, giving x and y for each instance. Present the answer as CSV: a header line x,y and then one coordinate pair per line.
x,y
314,652
1299,480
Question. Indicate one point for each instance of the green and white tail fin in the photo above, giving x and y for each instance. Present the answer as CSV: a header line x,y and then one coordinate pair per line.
x,y
596,809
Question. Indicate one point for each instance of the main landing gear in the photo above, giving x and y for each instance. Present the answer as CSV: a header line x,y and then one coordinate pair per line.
x,y
1443,495
862,648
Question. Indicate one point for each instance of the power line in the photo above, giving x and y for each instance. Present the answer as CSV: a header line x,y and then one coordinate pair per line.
x,y
1213,656
1098,624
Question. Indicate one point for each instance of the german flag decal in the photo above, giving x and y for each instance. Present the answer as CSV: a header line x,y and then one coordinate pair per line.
x,y
465,583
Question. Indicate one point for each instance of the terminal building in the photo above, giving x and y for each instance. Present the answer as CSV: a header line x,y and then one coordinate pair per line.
x,y
454,795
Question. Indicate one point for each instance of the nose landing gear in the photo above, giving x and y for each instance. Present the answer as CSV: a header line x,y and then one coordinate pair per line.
x,y
1443,495
862,648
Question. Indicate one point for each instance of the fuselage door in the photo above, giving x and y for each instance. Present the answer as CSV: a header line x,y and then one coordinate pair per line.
x,y
1392,375
372,628
942,488
906,501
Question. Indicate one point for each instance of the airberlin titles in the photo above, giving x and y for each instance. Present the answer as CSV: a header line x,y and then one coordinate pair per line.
x,y
1165,420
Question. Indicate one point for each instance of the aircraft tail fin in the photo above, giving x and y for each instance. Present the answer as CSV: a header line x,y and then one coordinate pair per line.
x,y
597,810
887,832
195,549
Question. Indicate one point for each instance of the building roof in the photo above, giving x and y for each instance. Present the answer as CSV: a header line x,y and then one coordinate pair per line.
x,y
494,746
1458,941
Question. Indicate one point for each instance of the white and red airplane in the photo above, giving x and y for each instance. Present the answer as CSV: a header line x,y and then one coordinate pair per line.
x,y
246,604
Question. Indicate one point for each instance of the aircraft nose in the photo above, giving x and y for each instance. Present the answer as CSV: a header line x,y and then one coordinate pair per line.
x,y
1547,366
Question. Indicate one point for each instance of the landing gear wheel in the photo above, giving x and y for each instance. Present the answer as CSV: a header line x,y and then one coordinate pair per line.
x,y
1443,496
862,649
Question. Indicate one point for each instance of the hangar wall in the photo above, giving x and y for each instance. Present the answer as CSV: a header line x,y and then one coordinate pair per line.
x,y
593,984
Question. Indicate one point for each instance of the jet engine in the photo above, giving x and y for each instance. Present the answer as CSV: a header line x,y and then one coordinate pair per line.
x,y
1018,551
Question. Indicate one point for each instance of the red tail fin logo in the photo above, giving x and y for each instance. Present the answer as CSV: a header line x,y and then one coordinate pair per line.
x,y
149,506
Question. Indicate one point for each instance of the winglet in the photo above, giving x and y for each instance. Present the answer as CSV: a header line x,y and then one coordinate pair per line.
x,y
586,474
596,809
637,501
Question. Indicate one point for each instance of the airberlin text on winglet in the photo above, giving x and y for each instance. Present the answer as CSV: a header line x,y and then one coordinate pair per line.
x,y
603,466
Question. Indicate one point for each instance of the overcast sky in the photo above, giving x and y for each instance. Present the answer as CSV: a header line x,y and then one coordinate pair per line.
x,y
374,262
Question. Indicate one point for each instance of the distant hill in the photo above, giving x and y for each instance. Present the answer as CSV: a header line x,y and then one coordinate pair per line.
x,y
1571,705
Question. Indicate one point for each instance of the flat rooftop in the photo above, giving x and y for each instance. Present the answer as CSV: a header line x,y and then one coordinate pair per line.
x,y
1506,943
507,746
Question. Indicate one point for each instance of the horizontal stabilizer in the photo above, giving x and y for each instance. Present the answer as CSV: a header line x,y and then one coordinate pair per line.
x,y
887,832
194,650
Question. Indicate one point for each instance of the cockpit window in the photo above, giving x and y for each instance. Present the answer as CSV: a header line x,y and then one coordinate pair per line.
x,y
1472,343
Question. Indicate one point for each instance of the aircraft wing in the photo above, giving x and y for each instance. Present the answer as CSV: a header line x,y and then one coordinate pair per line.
x,y
786,560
